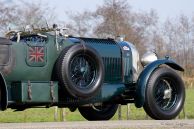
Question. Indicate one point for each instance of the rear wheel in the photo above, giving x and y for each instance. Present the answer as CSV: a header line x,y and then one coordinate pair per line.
x,y
102,112
165,94
0,99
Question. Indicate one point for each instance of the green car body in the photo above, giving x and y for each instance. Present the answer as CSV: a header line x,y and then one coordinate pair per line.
x,y
29,72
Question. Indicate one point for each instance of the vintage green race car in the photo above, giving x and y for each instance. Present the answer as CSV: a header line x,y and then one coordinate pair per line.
x,y
43,68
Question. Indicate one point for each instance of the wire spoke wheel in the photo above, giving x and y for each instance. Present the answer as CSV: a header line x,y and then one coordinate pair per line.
x,y
82,71
165,93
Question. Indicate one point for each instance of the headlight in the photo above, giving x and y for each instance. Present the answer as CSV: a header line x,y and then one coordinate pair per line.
x,y
148,57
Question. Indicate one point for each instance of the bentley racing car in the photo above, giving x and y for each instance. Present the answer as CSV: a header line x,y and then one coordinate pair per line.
x,y
44,68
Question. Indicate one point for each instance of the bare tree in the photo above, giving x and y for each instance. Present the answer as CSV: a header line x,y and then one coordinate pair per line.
x,y
116,18
178,41
7,16
147,30
23,13
113,18
185,32
34,13
80,23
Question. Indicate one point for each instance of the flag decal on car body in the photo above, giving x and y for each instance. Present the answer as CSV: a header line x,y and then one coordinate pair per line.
x,y
36,54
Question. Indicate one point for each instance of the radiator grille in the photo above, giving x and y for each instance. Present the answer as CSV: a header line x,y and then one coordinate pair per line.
x,y
113,69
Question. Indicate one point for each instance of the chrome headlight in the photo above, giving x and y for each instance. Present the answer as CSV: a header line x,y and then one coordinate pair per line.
x,y
148,57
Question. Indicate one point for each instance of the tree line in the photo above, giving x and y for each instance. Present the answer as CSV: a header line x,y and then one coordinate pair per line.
x,y
173,37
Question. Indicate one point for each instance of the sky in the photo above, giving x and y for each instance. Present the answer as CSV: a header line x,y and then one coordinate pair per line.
x,y
164,8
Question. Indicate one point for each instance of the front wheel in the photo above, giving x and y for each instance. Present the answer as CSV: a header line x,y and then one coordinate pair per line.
x,y
102,112
165,94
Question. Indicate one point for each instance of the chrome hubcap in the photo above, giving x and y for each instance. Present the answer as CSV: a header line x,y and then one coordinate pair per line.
x,y
167,94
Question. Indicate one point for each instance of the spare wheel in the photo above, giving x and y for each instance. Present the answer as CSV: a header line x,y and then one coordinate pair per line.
x,y
80,71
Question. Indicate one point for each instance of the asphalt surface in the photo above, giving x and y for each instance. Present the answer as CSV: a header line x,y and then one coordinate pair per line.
x,y
132,124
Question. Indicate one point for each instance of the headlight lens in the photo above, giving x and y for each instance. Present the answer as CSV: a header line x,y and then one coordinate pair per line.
x,y
148,57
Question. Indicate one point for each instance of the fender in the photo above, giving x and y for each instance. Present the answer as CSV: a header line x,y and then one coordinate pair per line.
x,y
3,93
145,75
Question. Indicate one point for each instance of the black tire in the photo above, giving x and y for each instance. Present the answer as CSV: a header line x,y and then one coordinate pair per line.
x,y
103,112
165,94
0,99
80,71
3,94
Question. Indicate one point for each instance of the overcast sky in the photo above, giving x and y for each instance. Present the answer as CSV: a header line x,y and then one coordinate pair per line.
x,y
165,8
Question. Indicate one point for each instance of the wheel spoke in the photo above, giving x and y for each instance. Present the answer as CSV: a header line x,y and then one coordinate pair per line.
x,y
165,93
83,71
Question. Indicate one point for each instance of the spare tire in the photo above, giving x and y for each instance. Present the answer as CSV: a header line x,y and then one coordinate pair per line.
x,y
80,71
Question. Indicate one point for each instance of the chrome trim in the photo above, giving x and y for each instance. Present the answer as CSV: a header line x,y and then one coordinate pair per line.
x,y
135,61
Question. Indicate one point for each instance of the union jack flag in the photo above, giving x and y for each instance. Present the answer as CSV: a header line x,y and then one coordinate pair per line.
x,y
36,54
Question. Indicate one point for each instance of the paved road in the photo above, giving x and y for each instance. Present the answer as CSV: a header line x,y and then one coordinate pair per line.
x,y
139,124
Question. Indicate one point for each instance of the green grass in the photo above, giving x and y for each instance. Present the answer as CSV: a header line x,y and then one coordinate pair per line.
x,y
47,114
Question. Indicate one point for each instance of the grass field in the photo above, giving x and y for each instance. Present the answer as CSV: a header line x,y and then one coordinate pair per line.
x,y
47,115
